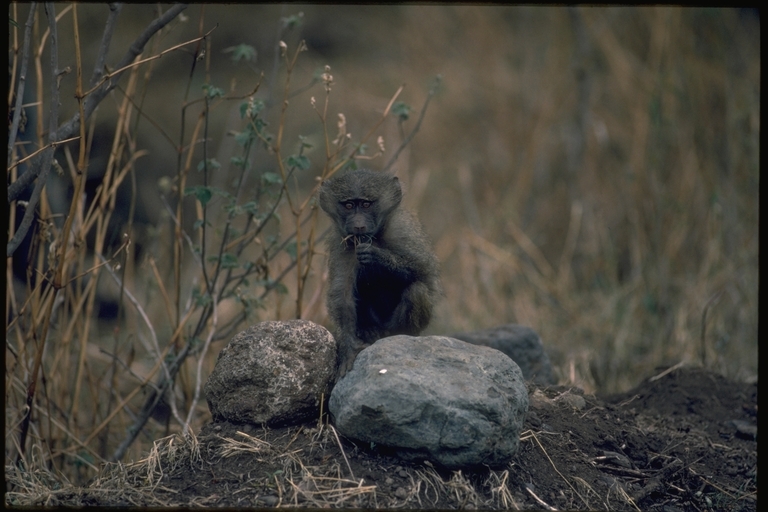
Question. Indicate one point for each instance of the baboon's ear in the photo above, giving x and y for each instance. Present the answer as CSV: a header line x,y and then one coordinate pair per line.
x,y
399,187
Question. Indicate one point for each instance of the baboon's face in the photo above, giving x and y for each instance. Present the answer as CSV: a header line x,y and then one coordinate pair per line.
x,y
359,216
360,202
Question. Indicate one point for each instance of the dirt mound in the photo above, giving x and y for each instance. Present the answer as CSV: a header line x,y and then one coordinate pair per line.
x,y
685,439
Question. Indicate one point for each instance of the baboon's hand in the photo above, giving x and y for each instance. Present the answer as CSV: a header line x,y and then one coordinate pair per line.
x,y
367,254
349,347
344,366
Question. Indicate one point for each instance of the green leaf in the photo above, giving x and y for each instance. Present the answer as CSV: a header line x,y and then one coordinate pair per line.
x,y
291,249
222,193
245,137
229,261
401,110
203,194
212,91
251,108
242,52
211,163
304,142
251,207
201,299
271,178
198,223
239,161
299,161
292,21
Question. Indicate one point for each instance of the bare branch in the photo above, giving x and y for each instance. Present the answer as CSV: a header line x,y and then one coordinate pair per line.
x,y
47,154
106,39
22,81
33,155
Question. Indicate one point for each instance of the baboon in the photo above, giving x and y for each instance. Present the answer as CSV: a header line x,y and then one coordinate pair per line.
x,y
383,276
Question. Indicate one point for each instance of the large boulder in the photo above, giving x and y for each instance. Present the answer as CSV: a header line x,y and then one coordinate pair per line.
x,y
433,398
521,344
272,373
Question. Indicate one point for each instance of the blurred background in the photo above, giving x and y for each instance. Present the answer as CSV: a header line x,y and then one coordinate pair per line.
x,y
589,172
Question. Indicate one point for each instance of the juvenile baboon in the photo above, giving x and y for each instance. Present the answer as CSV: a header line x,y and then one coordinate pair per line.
x,y
383,275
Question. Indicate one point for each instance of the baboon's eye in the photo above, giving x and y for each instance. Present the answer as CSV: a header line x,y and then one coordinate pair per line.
x,y
348,205
366,204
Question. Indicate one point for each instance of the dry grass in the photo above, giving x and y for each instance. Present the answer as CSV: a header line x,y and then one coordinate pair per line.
x,y
299,483
591,173
606,220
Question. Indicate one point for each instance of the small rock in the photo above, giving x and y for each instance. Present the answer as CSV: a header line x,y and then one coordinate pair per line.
x,y
272,373
745,429
538,400
442,399
575,401
533,419
401,493
269,501
615,458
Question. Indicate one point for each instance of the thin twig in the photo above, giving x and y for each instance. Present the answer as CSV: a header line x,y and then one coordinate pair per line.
x,y
539,500
34,154
667,371
430,94
711,302
155,342
201,359
342,452
555,468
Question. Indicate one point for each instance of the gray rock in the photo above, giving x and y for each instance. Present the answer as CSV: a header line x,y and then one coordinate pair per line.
x,y
433,398
521,344
272,373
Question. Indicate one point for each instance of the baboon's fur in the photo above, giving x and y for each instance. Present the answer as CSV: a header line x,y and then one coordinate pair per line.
x,y
383,275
